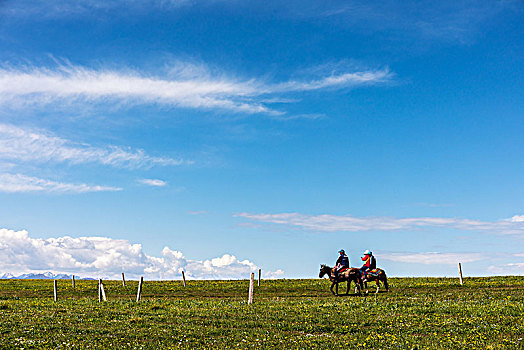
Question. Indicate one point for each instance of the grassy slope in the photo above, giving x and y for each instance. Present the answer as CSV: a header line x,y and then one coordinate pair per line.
x,y
485,313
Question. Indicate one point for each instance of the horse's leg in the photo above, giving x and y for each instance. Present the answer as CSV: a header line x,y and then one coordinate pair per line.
x,y
357,286
349,285
386,283
331,288
378,287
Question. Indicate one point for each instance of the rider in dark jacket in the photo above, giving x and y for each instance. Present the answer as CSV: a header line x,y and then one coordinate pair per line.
x,y
342,262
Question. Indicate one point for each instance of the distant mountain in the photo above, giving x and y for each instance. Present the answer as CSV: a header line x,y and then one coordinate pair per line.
x,y
38,276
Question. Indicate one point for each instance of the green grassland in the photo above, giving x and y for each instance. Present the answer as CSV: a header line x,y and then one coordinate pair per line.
x,y
432,313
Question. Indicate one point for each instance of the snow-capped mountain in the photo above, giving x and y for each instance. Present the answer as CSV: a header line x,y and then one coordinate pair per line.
x,y
38,276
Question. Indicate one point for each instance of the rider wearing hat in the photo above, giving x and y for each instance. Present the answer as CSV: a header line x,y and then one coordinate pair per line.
x,y
342,262
370,263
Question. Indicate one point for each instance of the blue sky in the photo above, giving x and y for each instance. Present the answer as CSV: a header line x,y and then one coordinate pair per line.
x,y
219,137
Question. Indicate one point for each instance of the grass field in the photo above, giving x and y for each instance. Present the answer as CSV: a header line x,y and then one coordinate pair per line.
x,y
433,313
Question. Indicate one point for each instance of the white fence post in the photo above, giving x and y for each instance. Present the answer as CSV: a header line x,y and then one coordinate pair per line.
x,y
123,280
55,290
184,278
139,292
259,275
101,291
73,281
251,288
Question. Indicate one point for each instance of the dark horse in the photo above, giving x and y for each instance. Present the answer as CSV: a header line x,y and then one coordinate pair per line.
x,y
352,274
379,276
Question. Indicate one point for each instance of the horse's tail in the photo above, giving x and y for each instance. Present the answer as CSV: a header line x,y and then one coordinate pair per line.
x,y
385,281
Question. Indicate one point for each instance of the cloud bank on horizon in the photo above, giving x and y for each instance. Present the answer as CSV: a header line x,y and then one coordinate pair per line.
x,y
106,257
103,257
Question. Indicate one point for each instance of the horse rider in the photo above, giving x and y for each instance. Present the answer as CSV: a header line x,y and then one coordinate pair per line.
x,y
342,262
370,263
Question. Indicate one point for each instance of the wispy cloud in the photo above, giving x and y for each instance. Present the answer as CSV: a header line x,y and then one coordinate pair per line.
x,y
335,81
446,20
516,268
310,116
434,205
18,183
42,9
432,258
106,257
198,212
153,182
333,223
17,144
74,83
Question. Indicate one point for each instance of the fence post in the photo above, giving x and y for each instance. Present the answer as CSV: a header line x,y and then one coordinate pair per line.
x,y
55,290
102,292
251,288
73,281
99,291
259,274
123,280
184,278
460,274
139,292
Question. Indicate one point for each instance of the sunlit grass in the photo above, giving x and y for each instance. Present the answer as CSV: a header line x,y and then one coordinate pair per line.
x,y
432,313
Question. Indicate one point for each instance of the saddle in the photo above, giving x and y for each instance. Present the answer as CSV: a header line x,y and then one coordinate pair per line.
x,y
374,272
341,271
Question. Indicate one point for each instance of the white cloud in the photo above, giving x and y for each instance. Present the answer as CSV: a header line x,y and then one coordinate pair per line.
x,y
432,258
15,183
19,144
333,223
40,85
517,218
273,274
336,81
188,88
507,269
106,257
153,182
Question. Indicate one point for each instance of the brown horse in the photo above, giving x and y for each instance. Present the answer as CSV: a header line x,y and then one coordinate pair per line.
x,y
380,276
352,274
